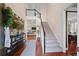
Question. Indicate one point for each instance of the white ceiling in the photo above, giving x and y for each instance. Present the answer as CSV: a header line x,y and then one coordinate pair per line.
x,y
72,16
37,6
72,7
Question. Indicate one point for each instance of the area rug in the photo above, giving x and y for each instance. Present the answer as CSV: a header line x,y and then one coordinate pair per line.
x,y
30,48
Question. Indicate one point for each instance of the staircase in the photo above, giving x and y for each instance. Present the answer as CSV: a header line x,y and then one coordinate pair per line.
x,y
49,41
51,44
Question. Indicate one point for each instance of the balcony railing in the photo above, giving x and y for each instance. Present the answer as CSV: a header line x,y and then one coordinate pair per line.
x,y
32,12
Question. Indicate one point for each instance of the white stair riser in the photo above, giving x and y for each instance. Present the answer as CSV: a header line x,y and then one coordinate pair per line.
x,y
49,36
53,45
53,50
51,41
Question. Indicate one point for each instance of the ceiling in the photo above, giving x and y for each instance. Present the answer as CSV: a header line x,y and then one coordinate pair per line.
x,y
72,7
37,6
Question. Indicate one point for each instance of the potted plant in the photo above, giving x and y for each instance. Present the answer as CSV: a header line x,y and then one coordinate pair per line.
x,y
8,21
8,17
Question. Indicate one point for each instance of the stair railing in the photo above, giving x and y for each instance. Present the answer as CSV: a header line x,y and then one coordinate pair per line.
x,y
34,12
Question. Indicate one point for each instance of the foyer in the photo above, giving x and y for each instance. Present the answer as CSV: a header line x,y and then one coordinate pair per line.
x,y
39,29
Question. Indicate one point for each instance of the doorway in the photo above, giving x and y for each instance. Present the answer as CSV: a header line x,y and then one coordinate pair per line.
x,y
71,30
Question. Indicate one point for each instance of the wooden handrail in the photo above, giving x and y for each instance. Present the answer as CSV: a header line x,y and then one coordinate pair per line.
x,y
44,33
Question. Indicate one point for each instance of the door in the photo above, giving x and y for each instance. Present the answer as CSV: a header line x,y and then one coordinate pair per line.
x,y
72,32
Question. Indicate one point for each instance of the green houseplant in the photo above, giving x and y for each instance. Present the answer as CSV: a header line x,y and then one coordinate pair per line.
x,y
9,17
14,25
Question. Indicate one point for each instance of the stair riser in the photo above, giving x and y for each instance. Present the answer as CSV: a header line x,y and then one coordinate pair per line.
x,y
52,46
51,41
53,50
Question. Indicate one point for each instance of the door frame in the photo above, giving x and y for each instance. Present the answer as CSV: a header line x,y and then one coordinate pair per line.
x,y
67,27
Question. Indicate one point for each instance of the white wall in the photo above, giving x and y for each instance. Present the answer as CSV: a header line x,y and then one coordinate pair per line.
x,y
43,14
19,9
56,21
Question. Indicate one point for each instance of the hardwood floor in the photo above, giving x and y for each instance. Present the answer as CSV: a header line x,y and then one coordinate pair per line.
x,y
39,51
31,37
20,50
38,48
72,45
